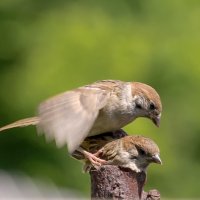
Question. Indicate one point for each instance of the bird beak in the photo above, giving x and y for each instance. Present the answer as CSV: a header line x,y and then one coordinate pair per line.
x,y
156,120
156,159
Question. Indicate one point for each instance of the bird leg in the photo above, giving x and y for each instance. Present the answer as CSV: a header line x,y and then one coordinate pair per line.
x,y
95,161
93,158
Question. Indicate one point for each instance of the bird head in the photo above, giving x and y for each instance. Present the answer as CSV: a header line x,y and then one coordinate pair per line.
x,y
141,152
145,157
146,102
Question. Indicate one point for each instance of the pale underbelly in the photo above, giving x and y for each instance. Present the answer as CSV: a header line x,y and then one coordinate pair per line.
x,y
109,124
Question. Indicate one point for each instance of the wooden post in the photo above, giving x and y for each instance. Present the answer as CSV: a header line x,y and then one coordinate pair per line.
x,y
113,182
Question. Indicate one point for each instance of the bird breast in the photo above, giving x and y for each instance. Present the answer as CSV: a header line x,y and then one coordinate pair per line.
x,y
118,112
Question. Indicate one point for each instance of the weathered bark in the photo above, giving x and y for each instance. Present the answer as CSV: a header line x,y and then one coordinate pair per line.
x,y
113,182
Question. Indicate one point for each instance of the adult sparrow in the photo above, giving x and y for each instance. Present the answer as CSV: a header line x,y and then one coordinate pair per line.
x,y
103,106
133,152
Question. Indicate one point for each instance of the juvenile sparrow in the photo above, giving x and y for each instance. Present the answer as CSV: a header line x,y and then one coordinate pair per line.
x,y
133,152
103,106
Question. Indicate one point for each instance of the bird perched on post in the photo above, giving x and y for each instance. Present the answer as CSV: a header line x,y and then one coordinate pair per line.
x,y
133,152
103,106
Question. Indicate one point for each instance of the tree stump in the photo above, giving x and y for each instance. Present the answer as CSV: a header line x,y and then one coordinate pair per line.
x,y
113,182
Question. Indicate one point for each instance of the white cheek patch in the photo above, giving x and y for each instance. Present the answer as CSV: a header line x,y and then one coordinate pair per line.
x,y
127,162
133,167
140,100
135,97
125,156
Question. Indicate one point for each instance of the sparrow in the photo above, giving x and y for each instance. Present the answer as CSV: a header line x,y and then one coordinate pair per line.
x,y
133,152
103,106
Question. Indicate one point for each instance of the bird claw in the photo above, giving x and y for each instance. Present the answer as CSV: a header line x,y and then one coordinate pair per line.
x,y
94,160
98,153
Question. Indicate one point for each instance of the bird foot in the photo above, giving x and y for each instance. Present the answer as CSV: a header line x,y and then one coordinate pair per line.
x,y
94,160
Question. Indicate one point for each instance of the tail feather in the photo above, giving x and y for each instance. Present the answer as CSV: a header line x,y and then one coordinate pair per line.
x,y
21,123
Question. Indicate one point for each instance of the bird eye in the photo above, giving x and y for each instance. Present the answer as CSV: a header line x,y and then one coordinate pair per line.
x,y
142,152
152,106
138,106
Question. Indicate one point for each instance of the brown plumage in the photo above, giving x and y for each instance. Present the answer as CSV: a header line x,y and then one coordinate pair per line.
x,y
134,152
93,144
103,106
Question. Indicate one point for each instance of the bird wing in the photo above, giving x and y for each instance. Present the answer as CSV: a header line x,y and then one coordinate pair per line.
x,y
21,123
68,117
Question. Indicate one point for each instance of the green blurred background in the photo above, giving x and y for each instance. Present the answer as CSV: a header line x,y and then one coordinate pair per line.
x,y
49,46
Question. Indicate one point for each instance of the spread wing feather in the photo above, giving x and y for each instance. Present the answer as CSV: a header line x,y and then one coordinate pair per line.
x,y
68,117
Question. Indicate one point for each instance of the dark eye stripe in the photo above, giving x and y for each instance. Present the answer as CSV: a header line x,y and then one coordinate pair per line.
x,y
133,157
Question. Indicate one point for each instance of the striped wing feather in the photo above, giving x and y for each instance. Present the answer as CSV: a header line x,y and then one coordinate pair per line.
x,y
68,117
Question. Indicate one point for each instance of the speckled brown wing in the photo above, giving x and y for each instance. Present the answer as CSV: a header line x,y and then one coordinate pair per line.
x,y
94,143
68,117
